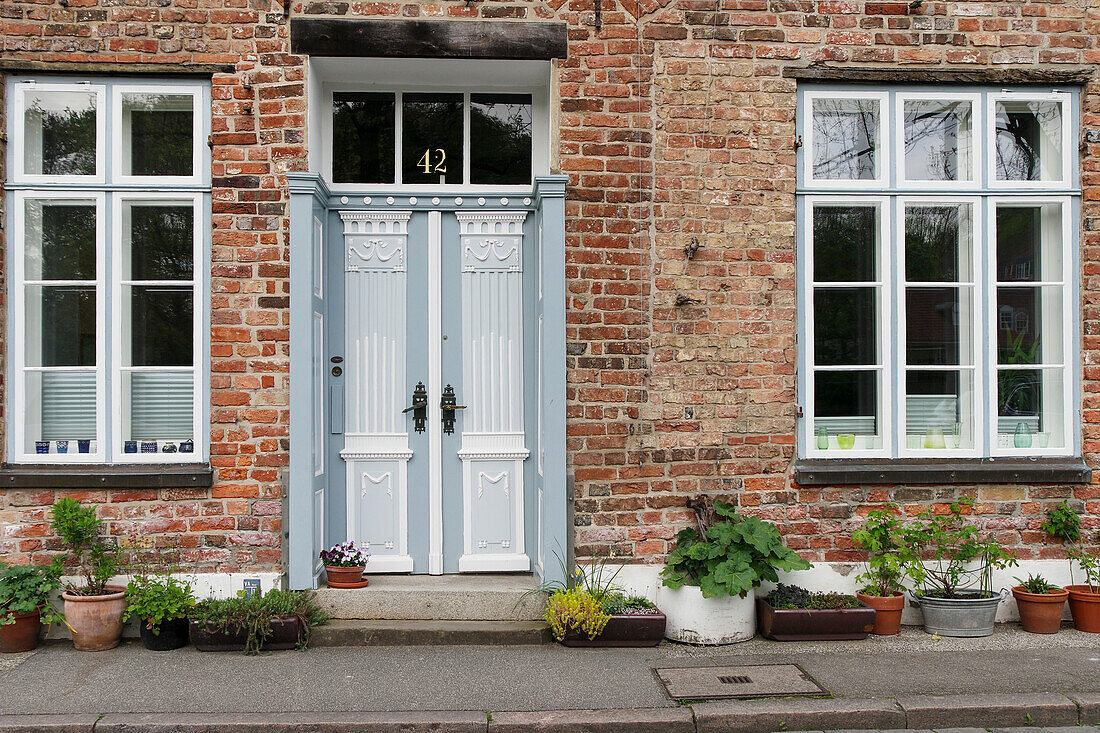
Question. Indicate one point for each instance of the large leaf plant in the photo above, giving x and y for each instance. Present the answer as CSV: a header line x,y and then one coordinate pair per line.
x,y
735,555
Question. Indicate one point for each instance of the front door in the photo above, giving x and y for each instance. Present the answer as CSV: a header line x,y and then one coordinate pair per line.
x,y
429,388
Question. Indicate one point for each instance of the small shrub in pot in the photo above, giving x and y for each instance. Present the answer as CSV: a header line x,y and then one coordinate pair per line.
x,y
880,583
161,602
1084,599
25,595
94,608
1040,604
951,565
278,619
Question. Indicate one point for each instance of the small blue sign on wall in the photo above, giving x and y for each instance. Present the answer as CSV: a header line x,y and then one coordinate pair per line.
x,y
251,585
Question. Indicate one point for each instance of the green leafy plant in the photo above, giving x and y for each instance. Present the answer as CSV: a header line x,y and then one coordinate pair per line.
x,y
951,544
1090,564
793,596
79,528
253,615
736,554
1036,584
1062,522
881,536
25,589
575,609
618,603
156,598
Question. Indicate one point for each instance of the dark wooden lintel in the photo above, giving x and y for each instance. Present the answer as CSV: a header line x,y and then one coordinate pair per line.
x,y
450,39
894,75
111,68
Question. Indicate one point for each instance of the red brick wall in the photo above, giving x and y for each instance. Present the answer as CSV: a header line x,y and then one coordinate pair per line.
x,y
675,124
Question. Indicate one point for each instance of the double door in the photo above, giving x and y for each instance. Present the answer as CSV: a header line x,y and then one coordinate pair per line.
x,y
431,336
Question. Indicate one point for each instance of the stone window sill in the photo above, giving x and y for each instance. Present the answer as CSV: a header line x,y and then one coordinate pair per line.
x,y
981,471
145,476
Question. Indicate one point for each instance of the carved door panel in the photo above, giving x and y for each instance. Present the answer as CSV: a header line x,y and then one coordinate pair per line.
x,y
434,311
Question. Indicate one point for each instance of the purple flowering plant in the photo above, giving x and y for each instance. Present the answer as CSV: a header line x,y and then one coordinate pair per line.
x,y
344,555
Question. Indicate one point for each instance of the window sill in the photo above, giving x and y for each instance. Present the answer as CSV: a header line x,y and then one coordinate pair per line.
x,y
919,471
99,476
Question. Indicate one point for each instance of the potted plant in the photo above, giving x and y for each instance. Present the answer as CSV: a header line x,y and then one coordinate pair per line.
x,y
791,613
161,602
94,609
344,565
1040,604
1084,600
576,613
880,583
946,557
25,592
708,581
278,619
632,621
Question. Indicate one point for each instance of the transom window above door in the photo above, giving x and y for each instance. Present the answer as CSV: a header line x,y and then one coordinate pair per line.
x,y
938,237
431,138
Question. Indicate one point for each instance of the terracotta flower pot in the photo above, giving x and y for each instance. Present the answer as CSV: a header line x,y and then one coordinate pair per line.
x,y
887,612
1040,613
21,636
1084,606
338,577
96,620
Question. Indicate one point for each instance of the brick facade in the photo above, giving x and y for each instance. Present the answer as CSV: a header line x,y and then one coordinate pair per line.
x,y
675,124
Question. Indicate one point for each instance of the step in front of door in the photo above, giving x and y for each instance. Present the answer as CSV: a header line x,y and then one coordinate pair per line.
x,y
437,598
429,633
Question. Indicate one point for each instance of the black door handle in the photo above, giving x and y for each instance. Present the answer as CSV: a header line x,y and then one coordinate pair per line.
x,y
419,408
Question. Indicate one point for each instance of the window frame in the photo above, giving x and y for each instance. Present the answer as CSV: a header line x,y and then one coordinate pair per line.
x,y
17,91
984,194
110,190
882,150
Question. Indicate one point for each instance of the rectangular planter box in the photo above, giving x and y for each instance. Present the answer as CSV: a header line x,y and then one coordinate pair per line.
x,y
284,635
623,630
797,624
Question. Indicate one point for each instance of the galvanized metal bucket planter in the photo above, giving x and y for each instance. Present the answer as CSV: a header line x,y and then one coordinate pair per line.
x,y
967,616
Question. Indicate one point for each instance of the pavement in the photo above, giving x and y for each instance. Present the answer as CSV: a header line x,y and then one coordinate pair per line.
x,y
913,681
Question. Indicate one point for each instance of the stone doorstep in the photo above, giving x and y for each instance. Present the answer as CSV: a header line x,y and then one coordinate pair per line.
x,y
743,716
428,633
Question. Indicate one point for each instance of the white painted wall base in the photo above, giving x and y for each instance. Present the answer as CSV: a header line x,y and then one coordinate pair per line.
x,y
643,580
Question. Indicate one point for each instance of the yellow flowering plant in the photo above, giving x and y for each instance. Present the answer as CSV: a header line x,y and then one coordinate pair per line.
x,y
575,609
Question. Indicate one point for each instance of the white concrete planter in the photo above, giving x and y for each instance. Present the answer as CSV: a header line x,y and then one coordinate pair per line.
x,y
694,619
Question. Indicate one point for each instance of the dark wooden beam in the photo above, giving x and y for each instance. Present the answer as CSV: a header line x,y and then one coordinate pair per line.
x,y
445,39
894,75
99,68
857,472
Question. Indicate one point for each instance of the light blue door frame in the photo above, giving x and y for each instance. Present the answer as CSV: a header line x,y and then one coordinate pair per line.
x,y
317,485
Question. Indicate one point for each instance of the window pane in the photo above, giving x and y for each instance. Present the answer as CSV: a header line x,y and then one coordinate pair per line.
x,y
1031,409
363,137
939,410
500,138
60,406
432,138
937,141
1029,141
163,326
1029,243
61,325
845,137
1029,325
938,243
60,240
59,133
158,134
845,243
161,408
161,241
845,403
844,326
937,326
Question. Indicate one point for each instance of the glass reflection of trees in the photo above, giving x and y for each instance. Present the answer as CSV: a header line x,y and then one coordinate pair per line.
x,y
161,134
1021,129
362,137
932,137
162,315
500,138
68,135
844,139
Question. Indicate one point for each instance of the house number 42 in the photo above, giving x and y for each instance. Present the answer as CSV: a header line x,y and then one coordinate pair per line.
x,y
433,161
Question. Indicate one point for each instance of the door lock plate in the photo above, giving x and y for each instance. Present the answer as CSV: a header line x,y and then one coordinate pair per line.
x,y
447,407
419,408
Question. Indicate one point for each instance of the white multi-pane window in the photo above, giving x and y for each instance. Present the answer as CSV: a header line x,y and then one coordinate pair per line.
x,y
937,263
108,209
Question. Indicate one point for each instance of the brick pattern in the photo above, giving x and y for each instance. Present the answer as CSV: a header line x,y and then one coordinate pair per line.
x,y
675,125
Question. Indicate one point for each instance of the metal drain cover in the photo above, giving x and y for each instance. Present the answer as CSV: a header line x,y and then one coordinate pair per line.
x,y
763,680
